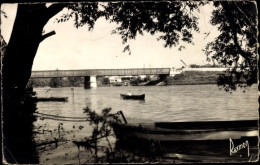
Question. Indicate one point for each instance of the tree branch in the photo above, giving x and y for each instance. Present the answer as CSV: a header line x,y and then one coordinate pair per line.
x,y
245,15
242,52
234,33
54,9
47,35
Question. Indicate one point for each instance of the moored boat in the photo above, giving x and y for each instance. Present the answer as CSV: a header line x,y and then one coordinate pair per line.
x,y
206,139
134,97
198,141
187,131
63,99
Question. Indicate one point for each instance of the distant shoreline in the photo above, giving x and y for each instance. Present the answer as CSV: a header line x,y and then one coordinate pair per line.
x,y
188,77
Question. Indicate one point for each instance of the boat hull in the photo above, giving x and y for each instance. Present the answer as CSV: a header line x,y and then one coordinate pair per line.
x,y
189,142
203,131
133,97
44,99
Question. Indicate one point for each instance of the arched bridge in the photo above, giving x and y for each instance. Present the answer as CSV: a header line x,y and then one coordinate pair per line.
x,y
90,74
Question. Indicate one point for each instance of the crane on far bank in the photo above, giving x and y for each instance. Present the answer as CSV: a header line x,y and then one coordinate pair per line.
x,y
185,65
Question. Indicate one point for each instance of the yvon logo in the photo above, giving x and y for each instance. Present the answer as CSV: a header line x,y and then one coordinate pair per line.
x,y
234,149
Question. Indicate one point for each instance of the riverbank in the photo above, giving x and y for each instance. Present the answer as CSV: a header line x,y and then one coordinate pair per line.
x,y
194,78
184,78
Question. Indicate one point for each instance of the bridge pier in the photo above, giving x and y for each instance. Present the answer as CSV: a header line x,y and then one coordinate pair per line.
x,y
90,82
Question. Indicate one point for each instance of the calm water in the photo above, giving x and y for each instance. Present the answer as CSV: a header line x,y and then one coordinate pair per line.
x,y
162,103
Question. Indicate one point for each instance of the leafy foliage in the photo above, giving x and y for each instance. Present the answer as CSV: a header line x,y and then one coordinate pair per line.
x,y
236,46
173,21
75,81
83,13
55,82
39,82
205,66
102,129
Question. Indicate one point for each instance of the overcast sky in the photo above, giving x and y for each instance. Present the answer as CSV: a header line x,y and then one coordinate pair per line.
x,y
73,48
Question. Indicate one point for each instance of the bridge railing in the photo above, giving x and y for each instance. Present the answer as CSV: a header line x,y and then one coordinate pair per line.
x,y
99,72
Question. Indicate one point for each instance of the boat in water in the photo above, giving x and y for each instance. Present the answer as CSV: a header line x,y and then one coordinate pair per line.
x,y
62,99
134,97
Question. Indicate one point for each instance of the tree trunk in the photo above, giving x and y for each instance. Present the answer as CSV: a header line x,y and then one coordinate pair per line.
x,y
16,71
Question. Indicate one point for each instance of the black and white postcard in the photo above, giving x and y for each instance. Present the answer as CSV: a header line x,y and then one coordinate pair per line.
x,y
129,82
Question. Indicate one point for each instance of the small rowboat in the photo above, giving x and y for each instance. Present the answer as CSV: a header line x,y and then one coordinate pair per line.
x,y
134,97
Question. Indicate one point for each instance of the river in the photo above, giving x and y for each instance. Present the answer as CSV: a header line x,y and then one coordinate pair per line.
x,y
162,103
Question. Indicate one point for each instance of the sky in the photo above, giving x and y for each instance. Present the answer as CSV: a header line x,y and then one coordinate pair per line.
x,y
72,48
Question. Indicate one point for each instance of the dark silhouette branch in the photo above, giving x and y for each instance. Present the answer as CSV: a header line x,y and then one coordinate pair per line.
x,y
241,52
54,9
47,35
234,33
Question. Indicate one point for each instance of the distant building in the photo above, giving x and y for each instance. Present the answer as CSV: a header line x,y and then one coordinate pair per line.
x,y
126,78
115,79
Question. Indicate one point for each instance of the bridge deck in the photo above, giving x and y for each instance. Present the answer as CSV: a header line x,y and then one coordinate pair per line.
x,y
99,72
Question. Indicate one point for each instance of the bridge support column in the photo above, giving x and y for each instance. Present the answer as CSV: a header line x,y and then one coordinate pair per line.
x,y
90,82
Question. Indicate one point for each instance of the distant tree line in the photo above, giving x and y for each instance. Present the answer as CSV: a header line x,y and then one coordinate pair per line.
x,y
57,82
205,66
138,79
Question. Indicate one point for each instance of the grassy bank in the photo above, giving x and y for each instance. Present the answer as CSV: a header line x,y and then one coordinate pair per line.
x,y
194,77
